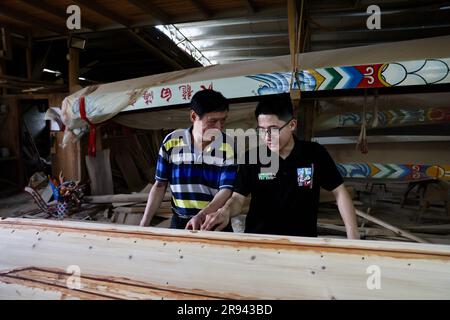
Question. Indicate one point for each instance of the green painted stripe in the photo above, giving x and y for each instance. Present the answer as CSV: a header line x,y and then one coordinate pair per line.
x,y
335,78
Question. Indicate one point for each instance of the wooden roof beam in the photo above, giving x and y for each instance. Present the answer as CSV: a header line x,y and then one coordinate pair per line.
x,y
251,6
57,12
101,10
136,36
150,9
201,6
35,22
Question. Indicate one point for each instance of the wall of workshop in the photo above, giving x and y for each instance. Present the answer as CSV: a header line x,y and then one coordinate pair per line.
x,y
11,168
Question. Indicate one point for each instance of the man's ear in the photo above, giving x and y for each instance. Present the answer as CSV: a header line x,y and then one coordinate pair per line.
x,y
293,125
193,116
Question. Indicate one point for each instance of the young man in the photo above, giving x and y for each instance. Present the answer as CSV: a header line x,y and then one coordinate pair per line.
x,y
198,162
285,202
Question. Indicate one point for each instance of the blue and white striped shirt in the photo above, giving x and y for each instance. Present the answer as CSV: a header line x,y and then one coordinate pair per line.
x,y
195,176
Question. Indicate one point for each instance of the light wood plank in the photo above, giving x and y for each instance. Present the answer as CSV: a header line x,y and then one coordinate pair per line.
x,y
245,265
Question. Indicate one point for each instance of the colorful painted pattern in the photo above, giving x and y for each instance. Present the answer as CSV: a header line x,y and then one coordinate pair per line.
x,y
397,117
421,72
386,118
393,171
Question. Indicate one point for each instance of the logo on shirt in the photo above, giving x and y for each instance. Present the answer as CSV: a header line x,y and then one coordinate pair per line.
x,y
266,176
305,176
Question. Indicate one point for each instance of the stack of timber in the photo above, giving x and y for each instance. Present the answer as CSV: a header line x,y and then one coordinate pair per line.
x,y
40,259
129,208
133,158
382,215
393,225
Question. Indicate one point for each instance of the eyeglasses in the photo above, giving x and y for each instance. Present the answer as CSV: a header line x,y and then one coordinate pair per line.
x,y
271,131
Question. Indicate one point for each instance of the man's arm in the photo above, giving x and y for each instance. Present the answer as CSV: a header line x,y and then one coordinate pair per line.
x,y
155,198
216,203
347,211
220,219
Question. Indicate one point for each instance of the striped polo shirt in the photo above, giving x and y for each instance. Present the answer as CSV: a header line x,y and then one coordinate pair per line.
x,y
195,176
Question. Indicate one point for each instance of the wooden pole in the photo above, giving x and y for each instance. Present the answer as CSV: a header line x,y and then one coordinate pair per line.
x,y
77,150
305,119
304,112
396,230
74,69
29,58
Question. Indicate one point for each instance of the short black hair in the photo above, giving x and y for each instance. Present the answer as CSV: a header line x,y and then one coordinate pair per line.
x,y
276,104
208,100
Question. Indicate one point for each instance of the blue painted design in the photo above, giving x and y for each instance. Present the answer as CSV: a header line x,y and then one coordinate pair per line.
x,y
307,81
274,83
279,82
355,77
356,170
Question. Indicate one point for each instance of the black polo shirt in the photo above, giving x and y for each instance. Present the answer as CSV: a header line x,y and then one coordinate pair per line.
x,y
286,202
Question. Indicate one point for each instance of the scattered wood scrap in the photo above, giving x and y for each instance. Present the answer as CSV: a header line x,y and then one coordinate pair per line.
x,y
431,229
386,225
117,198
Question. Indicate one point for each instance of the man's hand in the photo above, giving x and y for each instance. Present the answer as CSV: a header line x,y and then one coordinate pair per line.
x,y
196,221
217,202
217,220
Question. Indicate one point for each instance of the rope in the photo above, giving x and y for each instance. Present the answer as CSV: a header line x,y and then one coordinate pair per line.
x,y
92,132
362,144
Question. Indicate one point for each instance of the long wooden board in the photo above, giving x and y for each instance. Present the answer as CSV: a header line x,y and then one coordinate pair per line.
x,y
218,264
99,170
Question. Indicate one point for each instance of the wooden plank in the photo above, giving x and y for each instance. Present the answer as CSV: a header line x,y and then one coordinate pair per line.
x,y
396,230
57,12
142,164
66,159
147,188
128,170
104,11
163,224
435,229
251,266
133,215
202,7
100,174
129,209
160,16
364,232
116,198
35,22
127,218
91,287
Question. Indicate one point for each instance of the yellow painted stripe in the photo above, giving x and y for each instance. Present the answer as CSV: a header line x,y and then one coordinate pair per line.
x,y
171,143
319,78
190,204
381,77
